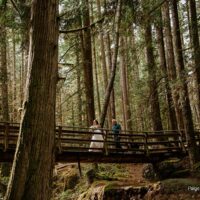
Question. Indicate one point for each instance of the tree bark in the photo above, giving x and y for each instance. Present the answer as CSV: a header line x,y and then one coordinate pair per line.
x,y
196,48
109,64
126,104
87,64
183,91
31,175
114,63
154,100
5,167
14,100
171,69
163,66
95,65
79,98
4,74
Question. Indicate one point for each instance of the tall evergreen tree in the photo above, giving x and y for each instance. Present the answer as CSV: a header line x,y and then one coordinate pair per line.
x,y
32,169
5,169
153,95
87,64
163,65
114,62
196,47
183,91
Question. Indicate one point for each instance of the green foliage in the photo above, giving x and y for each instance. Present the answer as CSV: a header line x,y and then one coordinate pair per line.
x,y
5,180
112,172
197,168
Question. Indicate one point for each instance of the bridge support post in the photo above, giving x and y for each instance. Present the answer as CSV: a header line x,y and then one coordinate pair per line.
x,y
105,143
59,139
79,166
6,136
181,143
146,144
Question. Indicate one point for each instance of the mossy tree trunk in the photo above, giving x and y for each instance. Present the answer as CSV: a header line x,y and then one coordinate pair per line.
x,y
31,175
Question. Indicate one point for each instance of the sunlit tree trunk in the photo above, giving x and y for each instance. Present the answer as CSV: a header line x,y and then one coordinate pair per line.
x,y
31,176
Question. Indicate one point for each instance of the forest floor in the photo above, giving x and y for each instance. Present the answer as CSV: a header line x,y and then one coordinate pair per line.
x,y
68,185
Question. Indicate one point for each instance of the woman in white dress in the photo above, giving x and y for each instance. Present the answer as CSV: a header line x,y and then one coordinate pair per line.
x,y
95,128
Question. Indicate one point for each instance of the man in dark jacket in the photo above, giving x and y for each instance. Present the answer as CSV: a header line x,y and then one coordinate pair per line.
x,y
116,129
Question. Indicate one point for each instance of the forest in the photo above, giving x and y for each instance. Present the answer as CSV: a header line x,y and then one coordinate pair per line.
x,y
68,62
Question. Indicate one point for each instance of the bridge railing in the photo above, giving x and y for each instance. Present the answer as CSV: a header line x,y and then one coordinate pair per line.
x,y
129,142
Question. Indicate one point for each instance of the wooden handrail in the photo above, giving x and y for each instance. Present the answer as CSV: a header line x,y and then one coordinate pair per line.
x,y
67,140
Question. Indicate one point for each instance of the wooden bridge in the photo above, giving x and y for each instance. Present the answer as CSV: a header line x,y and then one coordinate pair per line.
x,y
73,145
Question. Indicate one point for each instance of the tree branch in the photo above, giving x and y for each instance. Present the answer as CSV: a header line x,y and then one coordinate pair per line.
x,y
83,28
16,8
156,7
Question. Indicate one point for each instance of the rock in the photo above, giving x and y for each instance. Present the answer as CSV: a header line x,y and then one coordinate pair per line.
x,y
71,181
148,172
91,176
125,193
165,169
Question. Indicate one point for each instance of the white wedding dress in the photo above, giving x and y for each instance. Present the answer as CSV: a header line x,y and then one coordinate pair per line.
x,y
98,145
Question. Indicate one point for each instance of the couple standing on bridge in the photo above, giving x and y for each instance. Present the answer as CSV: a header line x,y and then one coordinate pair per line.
x,y
98,136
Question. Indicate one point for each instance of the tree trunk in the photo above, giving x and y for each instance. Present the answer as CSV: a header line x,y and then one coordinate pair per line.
x,y
95,65
126,104
196,48
79,99
14,100
87,64
103,59
171,69
138,113
183,91
96,79
109,64
5,167
154,100
31,176
4,78
163,65
114,63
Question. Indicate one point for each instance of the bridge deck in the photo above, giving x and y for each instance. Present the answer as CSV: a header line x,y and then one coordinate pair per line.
x,y
75,145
